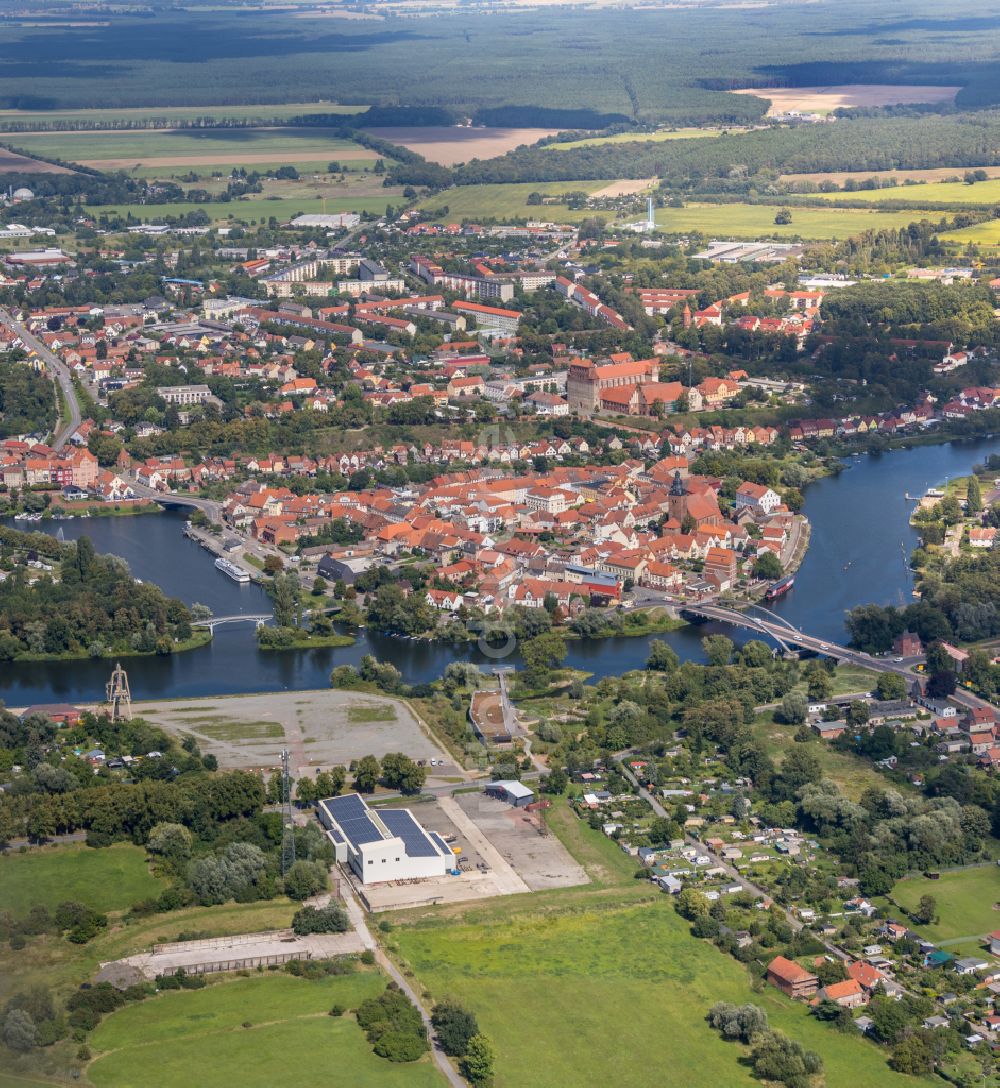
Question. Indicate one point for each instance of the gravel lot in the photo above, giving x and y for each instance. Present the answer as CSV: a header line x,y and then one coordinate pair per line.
x,y
320,728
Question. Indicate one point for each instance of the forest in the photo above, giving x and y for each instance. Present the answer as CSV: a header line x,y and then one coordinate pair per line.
x,y
86,604
740,162
26,402
667,65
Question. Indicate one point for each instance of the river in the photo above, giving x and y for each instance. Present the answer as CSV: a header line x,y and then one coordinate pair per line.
x,y
858,552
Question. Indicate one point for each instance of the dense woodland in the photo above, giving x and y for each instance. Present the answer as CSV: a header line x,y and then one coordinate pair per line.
x,y
654,65
26,402
744,161
88,604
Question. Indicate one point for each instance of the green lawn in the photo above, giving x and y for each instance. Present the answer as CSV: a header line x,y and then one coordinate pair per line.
x,y
385,712
233,146
111,878
849,679
934,193
509,201
197,1037
591,997
638,137
757,221
964,899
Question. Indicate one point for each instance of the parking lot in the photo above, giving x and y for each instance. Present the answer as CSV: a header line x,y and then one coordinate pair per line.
x,y
504,851
320,728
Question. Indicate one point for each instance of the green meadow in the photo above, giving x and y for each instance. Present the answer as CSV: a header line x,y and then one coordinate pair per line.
x,y
934,194
611,994
754,221
111,878
122,149
965,901
508,201
272,1029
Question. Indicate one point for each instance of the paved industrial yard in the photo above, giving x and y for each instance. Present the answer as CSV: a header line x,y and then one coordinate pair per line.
x,y
320,728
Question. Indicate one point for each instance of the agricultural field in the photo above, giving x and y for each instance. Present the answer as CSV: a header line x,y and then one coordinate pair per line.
x,y
12,163
552,988
981,234
757,221
111,878
966,901
828,99
193,147
940,173
284,200
638,137
454,144
275,1030
174,113
940,193
509,201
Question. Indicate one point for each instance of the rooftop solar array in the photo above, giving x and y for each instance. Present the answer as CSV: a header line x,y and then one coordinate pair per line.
x,y
351,813
442,845
415,839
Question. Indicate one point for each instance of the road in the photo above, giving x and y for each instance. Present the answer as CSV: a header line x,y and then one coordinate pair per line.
x,y
59,372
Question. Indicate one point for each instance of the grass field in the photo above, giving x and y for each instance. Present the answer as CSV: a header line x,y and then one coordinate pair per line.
x,y
106,150
851,773
637,137
111,878
509,201
964,900
757,221
982,234
383,713
938,193
199,1037
612,995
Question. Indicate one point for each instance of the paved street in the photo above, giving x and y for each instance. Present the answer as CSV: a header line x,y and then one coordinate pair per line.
x,y
59,372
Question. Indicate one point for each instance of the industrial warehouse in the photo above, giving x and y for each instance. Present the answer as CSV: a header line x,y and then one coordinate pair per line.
x,y
383,846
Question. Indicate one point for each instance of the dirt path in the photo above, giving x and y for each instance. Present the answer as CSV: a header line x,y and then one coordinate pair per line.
x,y
360,923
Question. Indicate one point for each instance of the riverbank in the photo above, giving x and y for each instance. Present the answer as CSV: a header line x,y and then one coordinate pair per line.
x,y
290,638
859,521
71,511
199,639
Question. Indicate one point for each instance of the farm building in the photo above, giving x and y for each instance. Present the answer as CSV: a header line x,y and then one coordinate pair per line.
x,y
514,793
790,978
60,713
382,846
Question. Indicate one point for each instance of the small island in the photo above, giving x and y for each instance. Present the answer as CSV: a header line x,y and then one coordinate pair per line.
x,y
63,600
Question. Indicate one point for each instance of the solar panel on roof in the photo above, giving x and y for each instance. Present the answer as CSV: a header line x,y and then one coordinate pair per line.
x,y
402,824
441,844
351,813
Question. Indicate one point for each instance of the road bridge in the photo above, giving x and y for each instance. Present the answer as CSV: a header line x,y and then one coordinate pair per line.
x,y
209,507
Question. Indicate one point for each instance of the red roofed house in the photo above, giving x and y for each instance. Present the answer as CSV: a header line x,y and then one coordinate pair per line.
x,y
791,979
847,994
